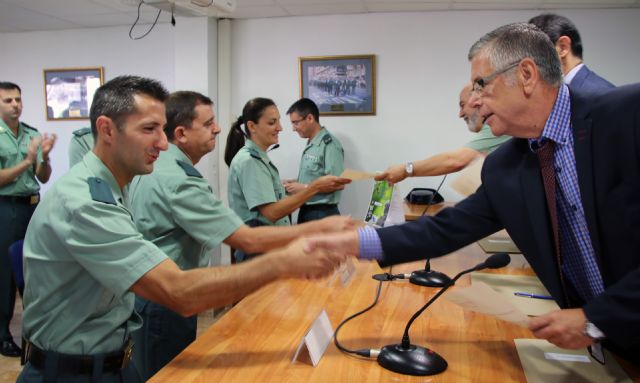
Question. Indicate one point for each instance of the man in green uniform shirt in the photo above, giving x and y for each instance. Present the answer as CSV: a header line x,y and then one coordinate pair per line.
x,y
454,160
323,155
84,258
24,160
174,208
81,144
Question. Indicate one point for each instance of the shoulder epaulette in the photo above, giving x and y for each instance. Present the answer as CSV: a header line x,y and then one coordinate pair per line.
x,y
189,169
254,153
29,126
82,132
100,191
327,139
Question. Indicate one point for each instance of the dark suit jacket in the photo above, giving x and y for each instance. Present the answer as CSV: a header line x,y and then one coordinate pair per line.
x,y
586,81
607,150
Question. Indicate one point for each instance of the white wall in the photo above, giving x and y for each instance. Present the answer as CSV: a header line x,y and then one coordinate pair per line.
x,y
421,66
183,57
180,57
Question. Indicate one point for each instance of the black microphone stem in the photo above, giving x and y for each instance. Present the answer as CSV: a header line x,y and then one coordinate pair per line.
x,y
405,337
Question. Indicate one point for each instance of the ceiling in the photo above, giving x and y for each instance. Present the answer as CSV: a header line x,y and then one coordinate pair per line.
x,y
38,15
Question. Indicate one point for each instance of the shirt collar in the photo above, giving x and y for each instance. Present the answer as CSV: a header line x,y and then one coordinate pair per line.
x,y
178,154
5,128
100,170
252,145
572,73
558,125
316,140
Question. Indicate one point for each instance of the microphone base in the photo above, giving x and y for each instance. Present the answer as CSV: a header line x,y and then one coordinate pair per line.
x,y
429,278
415,360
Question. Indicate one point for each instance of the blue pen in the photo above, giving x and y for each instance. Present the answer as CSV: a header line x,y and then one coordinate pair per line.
x,y
527,295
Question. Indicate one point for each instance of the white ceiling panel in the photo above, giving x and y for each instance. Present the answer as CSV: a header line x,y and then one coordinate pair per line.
x,y
259,11
325,9
30,15
406,6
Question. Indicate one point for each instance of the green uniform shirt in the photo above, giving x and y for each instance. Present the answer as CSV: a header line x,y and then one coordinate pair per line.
x,y
13,150
254,181
82,254
323,155
175,208
81,143
485,142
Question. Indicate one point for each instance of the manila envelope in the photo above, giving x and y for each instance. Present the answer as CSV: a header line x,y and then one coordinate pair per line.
x,y
543,362
506,285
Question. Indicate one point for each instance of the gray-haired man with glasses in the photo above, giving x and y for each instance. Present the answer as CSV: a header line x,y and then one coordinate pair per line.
x,y
566,188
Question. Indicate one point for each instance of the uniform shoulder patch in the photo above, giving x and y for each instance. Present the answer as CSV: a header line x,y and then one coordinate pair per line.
x,y
254,153
82,132
29,126
100,191
189,169
327,139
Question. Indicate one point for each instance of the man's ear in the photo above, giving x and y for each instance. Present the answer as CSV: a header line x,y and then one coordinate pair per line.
x,y
563,46
529,75
106,128
179,134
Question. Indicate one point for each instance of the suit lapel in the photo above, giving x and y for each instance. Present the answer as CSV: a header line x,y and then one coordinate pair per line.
x,y
584,168
536,204
579,78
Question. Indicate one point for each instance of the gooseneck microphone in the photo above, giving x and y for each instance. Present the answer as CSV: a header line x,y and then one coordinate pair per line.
x,y
406,358
427,277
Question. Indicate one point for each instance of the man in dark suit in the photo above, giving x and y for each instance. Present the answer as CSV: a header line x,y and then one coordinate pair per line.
x,y
564,34
585,244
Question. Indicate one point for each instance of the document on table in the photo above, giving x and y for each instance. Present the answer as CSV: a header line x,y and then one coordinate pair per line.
x,y
357,175
481,298
507,285
467,180
544,362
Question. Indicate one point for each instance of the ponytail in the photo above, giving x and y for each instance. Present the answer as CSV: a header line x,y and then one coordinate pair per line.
x,y
252,111
235,141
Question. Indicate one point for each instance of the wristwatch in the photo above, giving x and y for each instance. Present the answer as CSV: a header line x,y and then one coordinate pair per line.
x,y
409,168
593,332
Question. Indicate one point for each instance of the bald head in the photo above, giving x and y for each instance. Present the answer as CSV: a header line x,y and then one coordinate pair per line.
x,y
467,112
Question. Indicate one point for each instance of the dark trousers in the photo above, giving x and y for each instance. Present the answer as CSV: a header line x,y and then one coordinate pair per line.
x,y
31,374
14,218
313,212
164,334
241,256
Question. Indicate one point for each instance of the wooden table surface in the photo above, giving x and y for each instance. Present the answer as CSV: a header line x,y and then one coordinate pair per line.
x,y
256,340
413,211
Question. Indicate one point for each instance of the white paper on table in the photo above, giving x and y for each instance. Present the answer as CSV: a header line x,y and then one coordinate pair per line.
x,y
467,181
356,175
396,209
481,298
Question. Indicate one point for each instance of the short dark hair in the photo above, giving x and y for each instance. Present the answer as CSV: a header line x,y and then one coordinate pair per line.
x,y
180,109
304,107
115,99
6,85
252,111
556,26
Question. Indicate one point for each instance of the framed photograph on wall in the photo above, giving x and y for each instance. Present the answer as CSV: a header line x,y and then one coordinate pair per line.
x,y
69,92
340,85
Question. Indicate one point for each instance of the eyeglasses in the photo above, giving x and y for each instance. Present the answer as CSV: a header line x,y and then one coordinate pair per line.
x,y
297,122
480,83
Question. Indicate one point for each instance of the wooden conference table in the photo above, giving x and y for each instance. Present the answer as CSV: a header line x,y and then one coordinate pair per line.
x,y
256,339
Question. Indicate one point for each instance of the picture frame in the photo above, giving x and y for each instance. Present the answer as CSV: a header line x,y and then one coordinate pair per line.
x,y
340,85
69,92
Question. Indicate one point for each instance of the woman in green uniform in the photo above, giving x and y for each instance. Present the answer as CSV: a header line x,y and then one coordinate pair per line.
x,y
256,193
